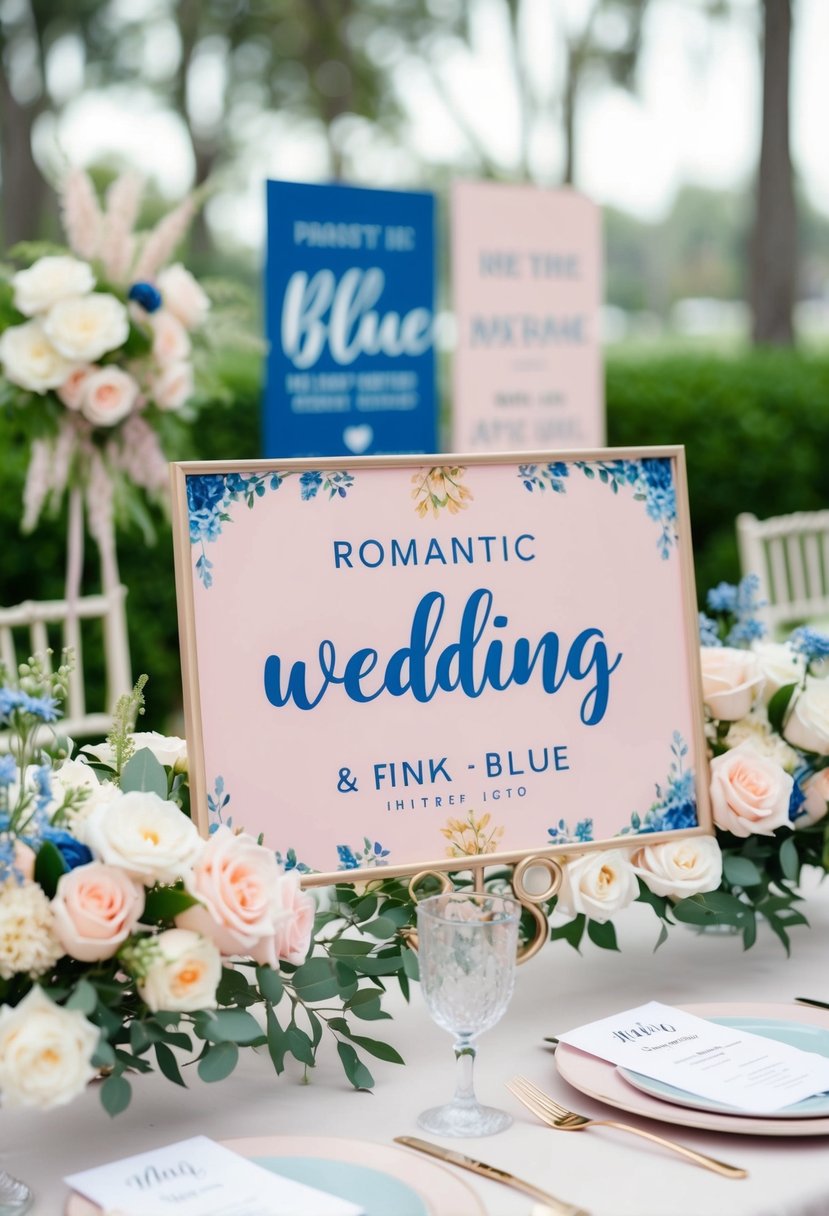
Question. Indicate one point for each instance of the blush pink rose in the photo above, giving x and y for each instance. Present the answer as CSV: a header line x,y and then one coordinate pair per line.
x,y
171,342
750,793
71,392
109,395
731,681
173,387
293,936
96,907
239,887
816,802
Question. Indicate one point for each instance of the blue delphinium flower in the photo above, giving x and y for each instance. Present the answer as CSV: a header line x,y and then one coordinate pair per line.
x,y
145,295
708,635
813,644
746,631
45,708
798,797
722,598
71,850
8,771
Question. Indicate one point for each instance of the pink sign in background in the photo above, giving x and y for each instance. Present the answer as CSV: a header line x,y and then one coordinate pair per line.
x,y
526,273
308,654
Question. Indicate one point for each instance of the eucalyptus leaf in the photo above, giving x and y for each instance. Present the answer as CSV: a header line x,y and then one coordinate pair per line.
x,y
116,1093
355,1069
168,1063
49,867
145,774
219,1062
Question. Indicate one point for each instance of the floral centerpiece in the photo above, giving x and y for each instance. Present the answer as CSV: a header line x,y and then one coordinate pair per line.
x,y
101,347
767,725
127,942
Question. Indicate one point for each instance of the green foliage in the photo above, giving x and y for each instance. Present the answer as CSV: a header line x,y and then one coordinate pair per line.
x,y
144,773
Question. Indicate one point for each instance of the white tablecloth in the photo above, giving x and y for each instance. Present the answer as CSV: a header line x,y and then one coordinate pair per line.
x,y
609,1173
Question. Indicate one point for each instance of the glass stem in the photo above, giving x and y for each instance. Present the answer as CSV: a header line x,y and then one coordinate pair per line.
x,y
465,1052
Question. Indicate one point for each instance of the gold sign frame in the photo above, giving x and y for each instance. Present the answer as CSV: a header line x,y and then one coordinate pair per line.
x,y
548,856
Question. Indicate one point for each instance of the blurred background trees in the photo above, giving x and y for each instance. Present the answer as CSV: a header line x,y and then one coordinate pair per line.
x,y
400,92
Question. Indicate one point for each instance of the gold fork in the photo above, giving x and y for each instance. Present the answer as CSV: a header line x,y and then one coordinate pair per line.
x,y
557,1116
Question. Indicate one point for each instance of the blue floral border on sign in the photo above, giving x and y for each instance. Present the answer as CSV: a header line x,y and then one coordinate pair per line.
x,y
651,480
675,806
211,495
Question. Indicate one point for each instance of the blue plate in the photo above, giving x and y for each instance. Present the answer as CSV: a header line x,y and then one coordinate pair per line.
x,y
377,1193
795,1034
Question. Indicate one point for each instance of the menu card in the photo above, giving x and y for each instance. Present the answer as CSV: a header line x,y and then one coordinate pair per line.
x,y
743,1070
199,1177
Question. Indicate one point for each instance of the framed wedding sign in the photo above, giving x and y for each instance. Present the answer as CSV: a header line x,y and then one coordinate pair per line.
x,y
399,663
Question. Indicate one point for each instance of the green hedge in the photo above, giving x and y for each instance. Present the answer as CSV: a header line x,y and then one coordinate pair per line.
x,y
756,430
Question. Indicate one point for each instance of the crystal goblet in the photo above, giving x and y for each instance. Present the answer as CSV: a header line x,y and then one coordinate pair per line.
x,y
467,945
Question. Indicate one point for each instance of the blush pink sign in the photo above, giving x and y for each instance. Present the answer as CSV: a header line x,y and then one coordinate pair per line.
x,y
394,664
526,271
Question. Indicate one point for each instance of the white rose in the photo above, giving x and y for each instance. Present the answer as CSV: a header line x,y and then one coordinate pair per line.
x,y
109,395
74,775
173,386
808,723
183,296
48,280
45,1052
183,972
30,360
599,884
152,840
171,343
85,327
750,794
679,868
780,665
816,803
731,680
169,750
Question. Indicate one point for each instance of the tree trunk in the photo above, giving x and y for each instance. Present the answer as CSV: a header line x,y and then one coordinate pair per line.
x,y
774,242
24,189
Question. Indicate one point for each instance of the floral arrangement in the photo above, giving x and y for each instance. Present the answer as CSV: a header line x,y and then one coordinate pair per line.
x,y
99,348
128,942
767,725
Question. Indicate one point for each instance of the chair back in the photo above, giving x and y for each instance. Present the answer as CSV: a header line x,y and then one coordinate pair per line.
x,y
35,626
790,556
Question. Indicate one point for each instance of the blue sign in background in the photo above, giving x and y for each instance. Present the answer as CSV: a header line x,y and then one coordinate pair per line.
x,y
350,297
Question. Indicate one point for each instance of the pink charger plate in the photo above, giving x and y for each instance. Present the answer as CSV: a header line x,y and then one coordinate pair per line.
x,y
601,1080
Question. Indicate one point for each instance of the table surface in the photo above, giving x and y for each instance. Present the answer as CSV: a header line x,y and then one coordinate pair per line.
x,y
607,1172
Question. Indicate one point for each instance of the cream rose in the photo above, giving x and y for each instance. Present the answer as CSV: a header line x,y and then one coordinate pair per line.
x,y
169,750
171,343
109,395
750,794
45,1052
152,840
599,884
96,907
183,972
779,665
816,802
48,280
173,387
182,296
731,681
293,935
808,723
678,868
83,328
30,360
241,908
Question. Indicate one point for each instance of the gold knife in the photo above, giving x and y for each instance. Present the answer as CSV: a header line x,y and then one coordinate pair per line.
x,y
557,1206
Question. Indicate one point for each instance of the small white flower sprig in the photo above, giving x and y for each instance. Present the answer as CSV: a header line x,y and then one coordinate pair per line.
x,y
128,943
101,348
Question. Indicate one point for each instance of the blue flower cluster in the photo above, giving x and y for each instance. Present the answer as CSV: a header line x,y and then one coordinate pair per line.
x,y
813,644
736,606
798,797
371,854
676,804
8,771
651,481
211,495
582,833
14,700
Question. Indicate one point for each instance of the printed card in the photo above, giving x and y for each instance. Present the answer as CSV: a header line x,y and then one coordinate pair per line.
x,y
199,1177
